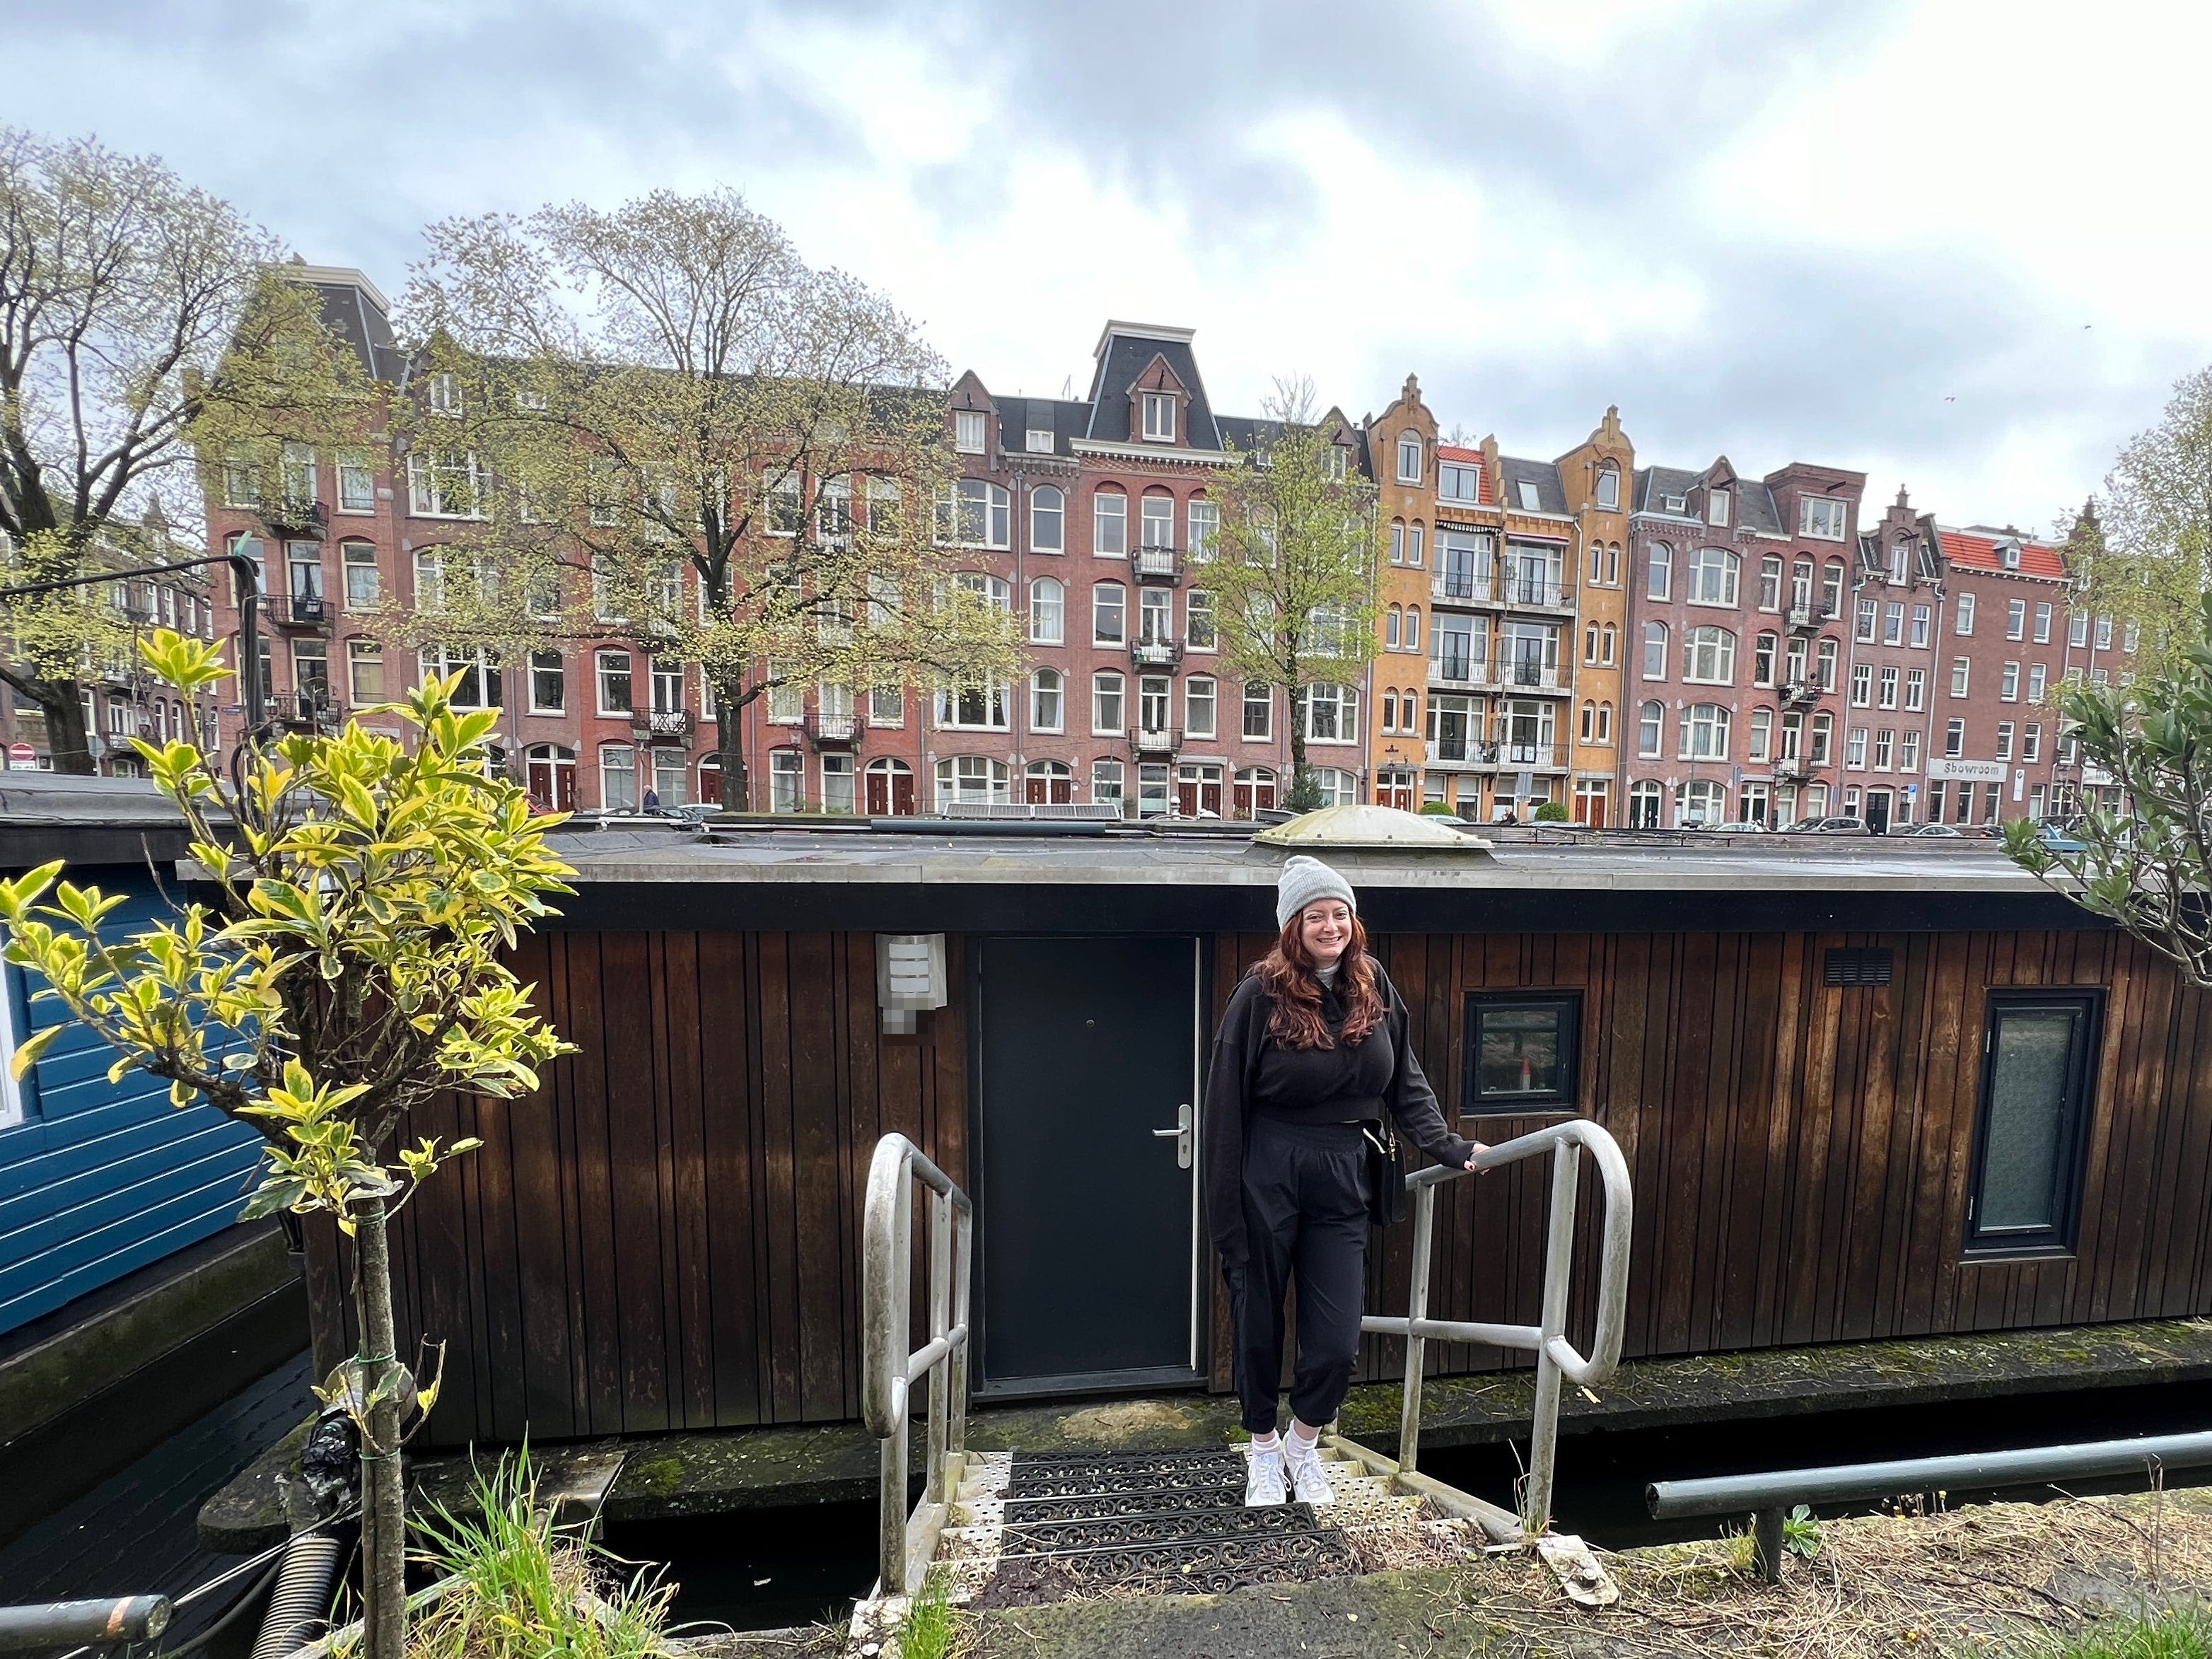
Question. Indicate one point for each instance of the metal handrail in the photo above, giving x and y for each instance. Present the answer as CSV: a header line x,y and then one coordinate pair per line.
x,y
1556,1356
889,1370
1767,1496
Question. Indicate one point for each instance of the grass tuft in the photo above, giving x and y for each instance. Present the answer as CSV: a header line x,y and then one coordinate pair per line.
x,y
528,1589
926,1632
2178,1633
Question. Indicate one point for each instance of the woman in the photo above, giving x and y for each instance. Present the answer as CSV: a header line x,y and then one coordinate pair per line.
x,y
1313,1047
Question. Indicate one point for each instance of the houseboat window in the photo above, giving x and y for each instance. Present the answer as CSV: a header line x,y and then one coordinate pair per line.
x,y
1520,1048
2031,1131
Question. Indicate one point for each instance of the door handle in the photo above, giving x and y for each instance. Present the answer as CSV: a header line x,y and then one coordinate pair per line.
x,y
1181,1134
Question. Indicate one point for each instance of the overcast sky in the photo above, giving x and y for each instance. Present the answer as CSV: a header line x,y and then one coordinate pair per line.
x,y
1958,243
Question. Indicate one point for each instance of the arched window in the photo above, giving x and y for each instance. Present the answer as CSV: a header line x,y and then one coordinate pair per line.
x,y
1824,733
1708,656
1605,722
1596,562
1762,658
1109,704
1109,525
1589,722
1606,644
1047,612
1801,585
1832,589
1612,564
429,579
1649,727
1761,743
1589,643
1699,804
1412,628
1646,802
1900,563
1109,614
1662,577
1654,651
1203,519
1704,731
1397,541
1048,521
1047,696
1157,517
971,780
619,777
1713,576
1410,469
1608,488
1827,659
1770,582
1392,622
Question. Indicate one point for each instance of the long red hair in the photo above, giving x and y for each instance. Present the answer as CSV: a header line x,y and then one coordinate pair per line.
x,y
1287,976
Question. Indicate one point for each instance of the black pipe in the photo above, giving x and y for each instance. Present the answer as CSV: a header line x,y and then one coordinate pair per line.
x,y
299,1609
100,1623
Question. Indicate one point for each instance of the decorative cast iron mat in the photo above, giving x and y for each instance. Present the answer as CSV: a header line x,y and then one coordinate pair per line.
x,y
1148,1523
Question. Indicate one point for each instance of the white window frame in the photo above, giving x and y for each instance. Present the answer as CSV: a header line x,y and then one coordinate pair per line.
x,y
1412,456
1053,511
1822,517
1158,413
601,665
1056,690
1109,682
1048,611
1110,524
1197,689
971,430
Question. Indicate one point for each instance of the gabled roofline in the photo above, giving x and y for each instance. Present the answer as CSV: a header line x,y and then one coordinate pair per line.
x,y
343,275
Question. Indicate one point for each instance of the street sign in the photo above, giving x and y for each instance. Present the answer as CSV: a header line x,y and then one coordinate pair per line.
x,y
21,757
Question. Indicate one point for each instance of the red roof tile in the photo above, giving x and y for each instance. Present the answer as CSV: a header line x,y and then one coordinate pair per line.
x,y
1470,458
1971,549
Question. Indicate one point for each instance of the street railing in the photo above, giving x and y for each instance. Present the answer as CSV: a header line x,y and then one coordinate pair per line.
x,y
889,1370
1556,1356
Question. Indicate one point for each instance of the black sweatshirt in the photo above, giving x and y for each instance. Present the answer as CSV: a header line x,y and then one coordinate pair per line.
x,y
1251,1075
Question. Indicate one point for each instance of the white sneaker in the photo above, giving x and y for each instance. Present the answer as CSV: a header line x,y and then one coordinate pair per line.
x,y
1263,1479
1305,1470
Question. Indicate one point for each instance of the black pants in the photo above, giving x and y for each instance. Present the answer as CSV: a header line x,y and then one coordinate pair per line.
x,y
1306,1213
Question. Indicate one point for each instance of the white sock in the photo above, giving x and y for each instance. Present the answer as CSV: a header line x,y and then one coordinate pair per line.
x,y
1267,1442
1303,1445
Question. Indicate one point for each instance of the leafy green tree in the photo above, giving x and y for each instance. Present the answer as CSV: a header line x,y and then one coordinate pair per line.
x,y
629,396
2150,869
1293,575
349,966
2143,552
143,323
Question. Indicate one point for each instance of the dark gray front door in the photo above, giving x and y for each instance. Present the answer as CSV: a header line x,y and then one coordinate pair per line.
x,y
1087,1219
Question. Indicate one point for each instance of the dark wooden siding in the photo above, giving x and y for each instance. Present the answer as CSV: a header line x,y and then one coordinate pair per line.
x,y
666,1237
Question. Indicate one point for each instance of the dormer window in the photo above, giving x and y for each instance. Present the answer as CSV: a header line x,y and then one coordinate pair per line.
x,y
445,394
1674,503
967,431
1039,441
1822,516
2008,554
1410,469
1531,498
1335,463
1159,417
1716,508
1900,563
1608,488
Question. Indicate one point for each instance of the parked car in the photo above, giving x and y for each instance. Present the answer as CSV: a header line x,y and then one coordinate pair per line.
x,y
2059,839
1739,826
1943,830
1836,826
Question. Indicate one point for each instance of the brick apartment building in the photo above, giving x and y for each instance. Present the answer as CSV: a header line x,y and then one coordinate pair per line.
x,y
1649,646
1736,616
121,700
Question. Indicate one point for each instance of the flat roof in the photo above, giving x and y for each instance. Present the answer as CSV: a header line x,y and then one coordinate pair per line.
x,y
1210,880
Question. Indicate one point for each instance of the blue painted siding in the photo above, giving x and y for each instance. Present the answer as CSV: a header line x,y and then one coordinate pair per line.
x,y
99,1179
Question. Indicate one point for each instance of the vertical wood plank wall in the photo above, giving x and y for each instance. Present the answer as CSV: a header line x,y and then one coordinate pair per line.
x,y
667,1236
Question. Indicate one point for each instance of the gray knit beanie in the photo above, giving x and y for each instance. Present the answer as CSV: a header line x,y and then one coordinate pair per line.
x,y
1302,881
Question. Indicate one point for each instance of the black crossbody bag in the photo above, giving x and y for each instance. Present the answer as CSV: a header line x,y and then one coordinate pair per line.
x,y
1386,1171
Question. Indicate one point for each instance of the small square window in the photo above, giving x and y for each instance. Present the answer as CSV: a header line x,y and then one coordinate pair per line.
x,y
967,431
1521,1051
1038,440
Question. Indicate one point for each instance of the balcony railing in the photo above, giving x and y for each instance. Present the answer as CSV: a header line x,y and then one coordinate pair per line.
x,y
833,731
1532,757
661,723
1791,770
1529,676
1156,653
1455,589
1156,739
1461,757
1157,564
1543,595
1453,668
297,610
289,516
1803,618
308,708
1800,693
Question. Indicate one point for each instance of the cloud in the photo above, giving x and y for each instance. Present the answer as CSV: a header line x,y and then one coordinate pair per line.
x,y
1780,228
